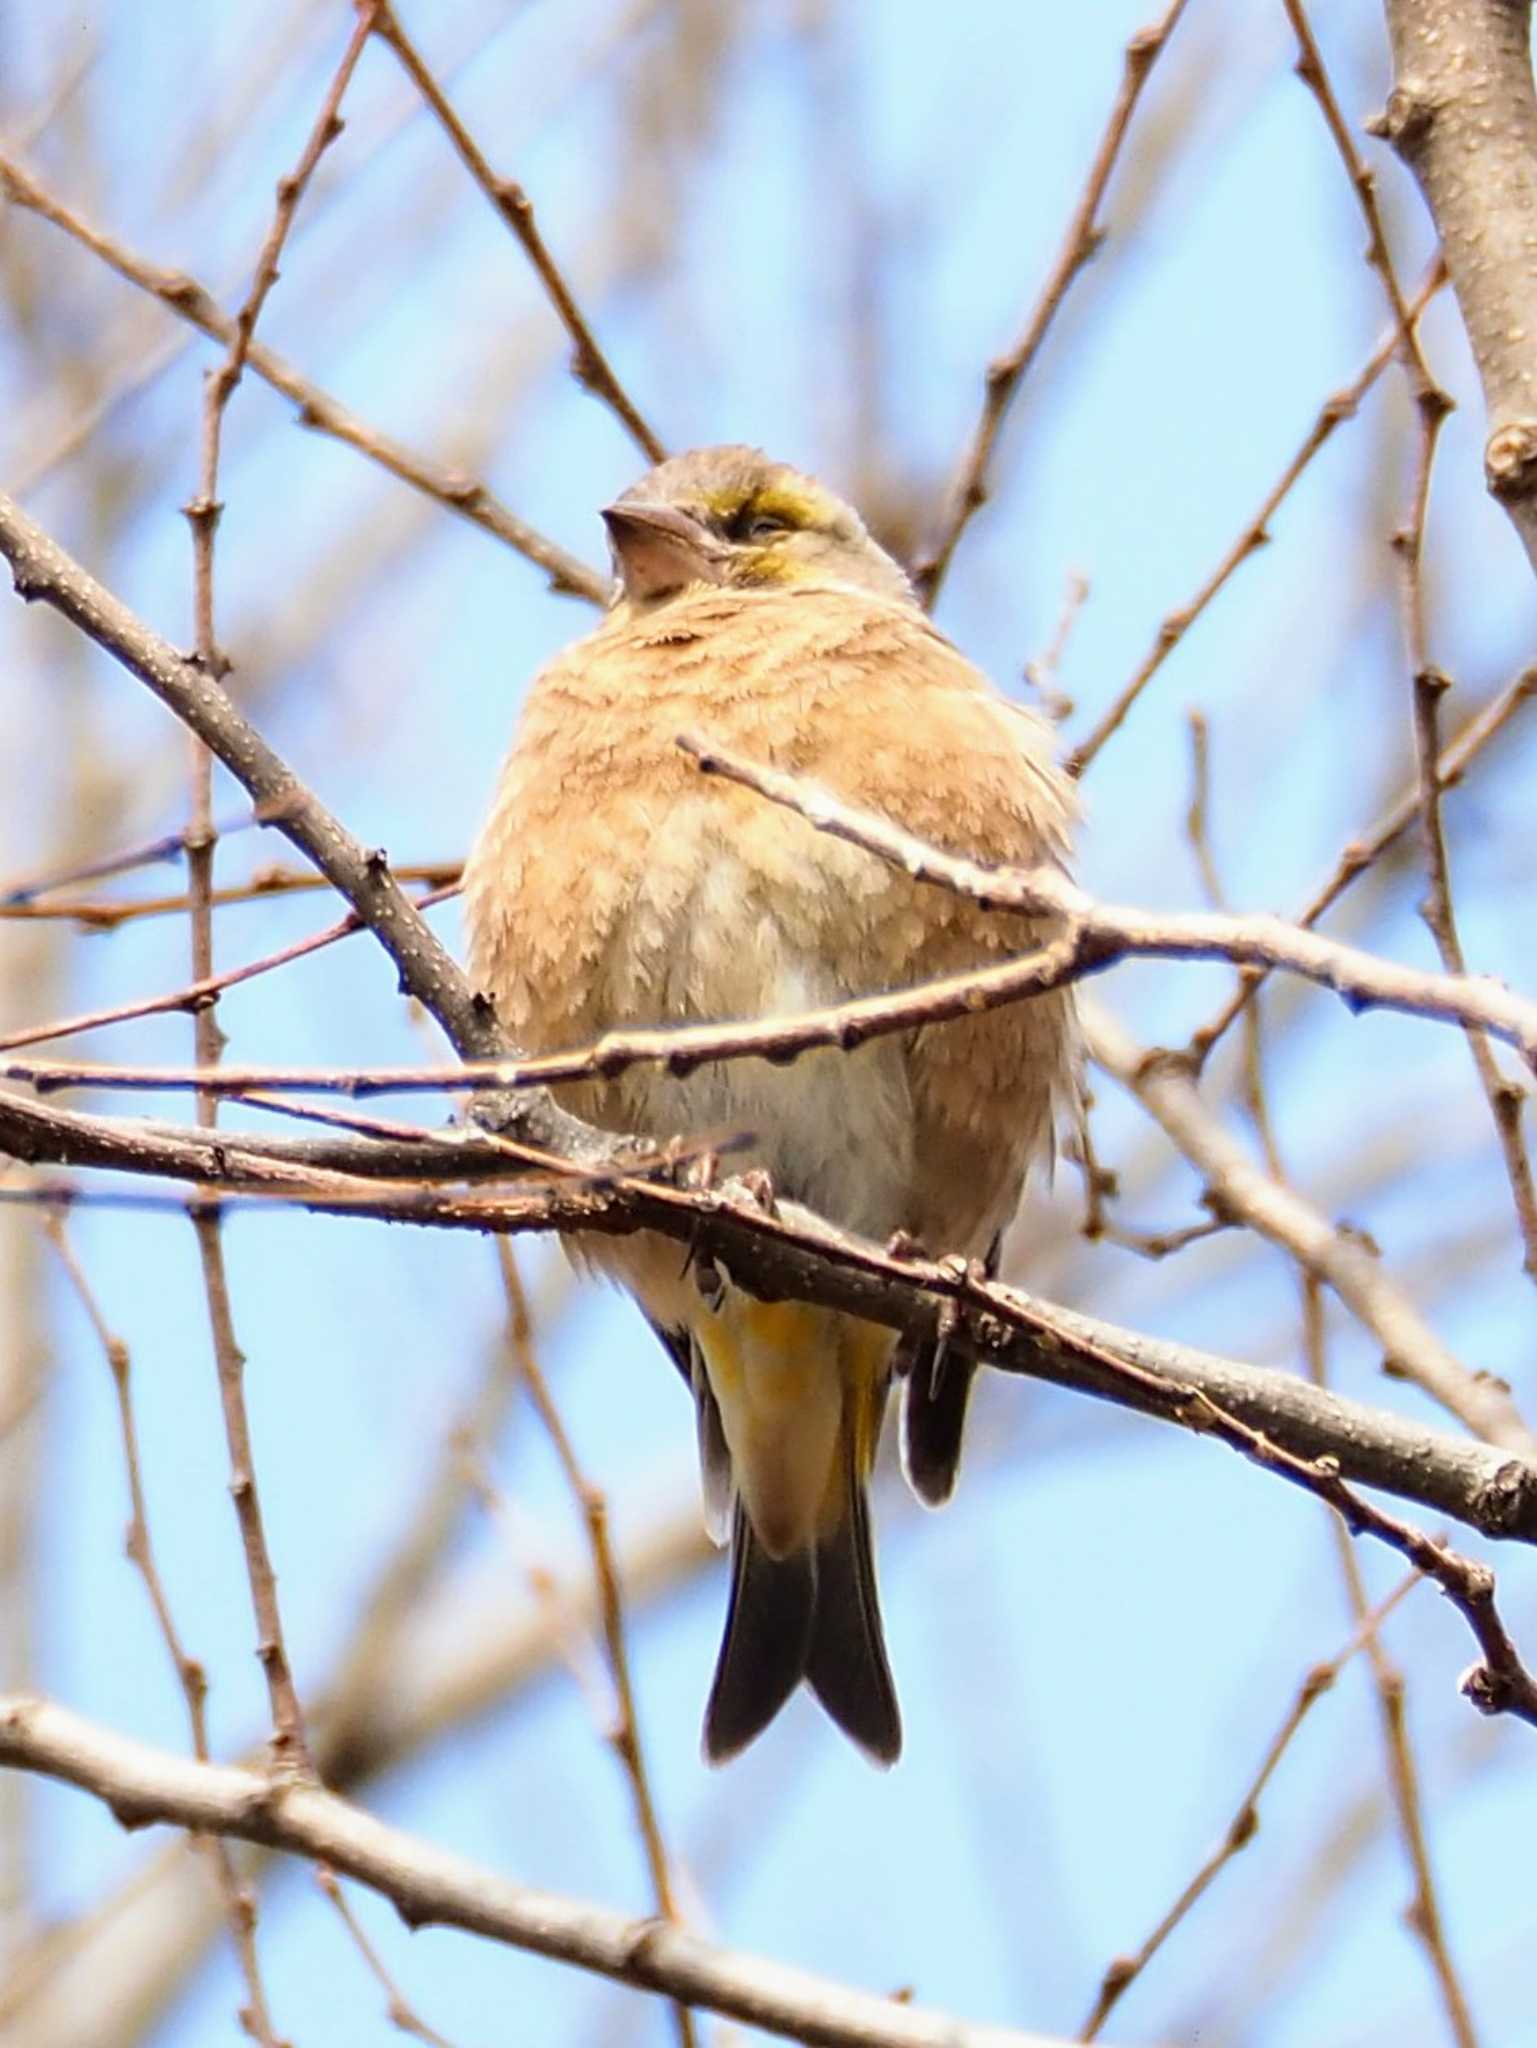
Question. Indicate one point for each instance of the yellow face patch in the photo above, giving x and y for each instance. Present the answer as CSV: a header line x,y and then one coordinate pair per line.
x,y
793,507
769,565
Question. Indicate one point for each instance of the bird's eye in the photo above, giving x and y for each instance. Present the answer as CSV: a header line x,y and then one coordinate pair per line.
x,y
764,526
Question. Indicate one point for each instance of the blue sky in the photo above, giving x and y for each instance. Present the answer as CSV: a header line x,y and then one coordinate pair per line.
x,y
1095,1642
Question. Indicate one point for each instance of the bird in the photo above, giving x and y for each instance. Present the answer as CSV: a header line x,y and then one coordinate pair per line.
x,y
614,885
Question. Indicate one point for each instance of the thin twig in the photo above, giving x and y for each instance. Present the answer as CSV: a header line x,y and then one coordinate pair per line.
x,y
625,1731
1481,730
239,1901
1433,402
1081,240
166,846
1388,1683
1173,628
197,995
1042,670
101,914
398,2008
290,1749
589,365
1240,1831
1506,1098
190,301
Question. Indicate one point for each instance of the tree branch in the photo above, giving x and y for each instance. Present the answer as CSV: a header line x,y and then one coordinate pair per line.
x,y
42,570
1478,1484
429,1886
194,303
1099,934
1462,115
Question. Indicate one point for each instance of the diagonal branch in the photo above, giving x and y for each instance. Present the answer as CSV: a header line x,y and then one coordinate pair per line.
x,y
192,302
589,364
1476,1483
1099,934
431,1887
428,971
1080,243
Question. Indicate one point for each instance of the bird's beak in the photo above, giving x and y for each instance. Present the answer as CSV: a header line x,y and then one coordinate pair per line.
x,y
659,549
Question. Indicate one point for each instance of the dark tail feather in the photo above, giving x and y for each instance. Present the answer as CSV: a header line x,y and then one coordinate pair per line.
x,y
767,1640
934,1402
846,1661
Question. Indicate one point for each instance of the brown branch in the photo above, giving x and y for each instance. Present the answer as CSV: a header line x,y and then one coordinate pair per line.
x,y
238,1901
42,570
970,1317
1506,1098
1484,727
1173,628
1424,1914
103,1977
589,365
1098,934
196,995
166,846
1095,936
101,914
1278,1212
1462,115
625,1736
802,1258
190,301
1433,402
401,2013
1081,241
290,1748
432,1887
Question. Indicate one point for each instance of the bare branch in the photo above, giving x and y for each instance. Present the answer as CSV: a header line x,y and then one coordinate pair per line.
x,y
190,301
1342,405
805,1259
431,1887
42,569
1244,1825
625,1734
1462,114
1080,242
589,364
1481,730
1354,1270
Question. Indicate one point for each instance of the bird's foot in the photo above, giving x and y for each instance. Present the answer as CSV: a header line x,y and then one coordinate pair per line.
x,y
756,1184
702,1171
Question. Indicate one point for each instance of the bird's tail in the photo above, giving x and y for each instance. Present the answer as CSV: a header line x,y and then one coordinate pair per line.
x,y
814,1615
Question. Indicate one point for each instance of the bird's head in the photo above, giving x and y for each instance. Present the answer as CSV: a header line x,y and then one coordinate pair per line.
x,y
732,518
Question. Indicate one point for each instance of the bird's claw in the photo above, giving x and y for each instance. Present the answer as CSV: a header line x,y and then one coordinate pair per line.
x,y
756,1185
